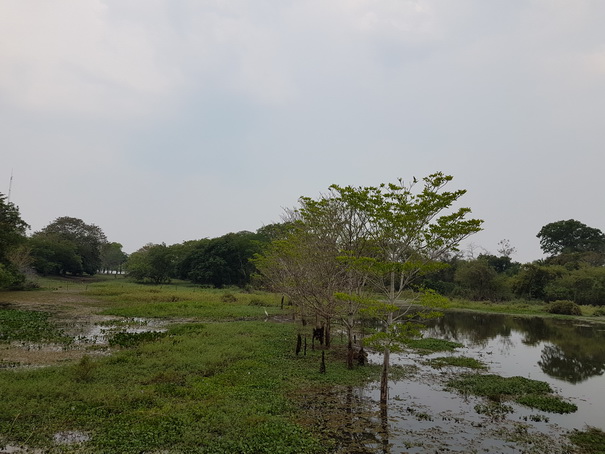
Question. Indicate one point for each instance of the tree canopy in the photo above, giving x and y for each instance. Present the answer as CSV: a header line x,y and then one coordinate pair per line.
x,y
565,237
356,241
153,263
87,241
12,235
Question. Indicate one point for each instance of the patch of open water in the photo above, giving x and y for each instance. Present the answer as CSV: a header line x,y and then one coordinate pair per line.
x,y
425,417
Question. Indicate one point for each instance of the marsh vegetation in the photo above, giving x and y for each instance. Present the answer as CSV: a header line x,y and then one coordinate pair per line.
x,y
181,369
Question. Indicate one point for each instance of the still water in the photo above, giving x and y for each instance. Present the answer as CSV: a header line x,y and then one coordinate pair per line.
x,y
425,417
568,355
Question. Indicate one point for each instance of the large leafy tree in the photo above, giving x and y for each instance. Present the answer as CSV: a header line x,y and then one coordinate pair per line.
x,y
222,261
411,230
153,263
88,239
356,241
571,236
112,257
12,235
54,255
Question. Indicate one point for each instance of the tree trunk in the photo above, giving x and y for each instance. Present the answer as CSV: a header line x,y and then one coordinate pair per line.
x,y
384,378
350,355
327,339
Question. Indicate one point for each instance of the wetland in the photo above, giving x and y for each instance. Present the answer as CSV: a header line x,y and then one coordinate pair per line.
x,y
111,366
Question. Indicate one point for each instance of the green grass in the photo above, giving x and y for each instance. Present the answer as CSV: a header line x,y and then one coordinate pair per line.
x,y
531,393
520,307
591,440
183,301
523,307
204,387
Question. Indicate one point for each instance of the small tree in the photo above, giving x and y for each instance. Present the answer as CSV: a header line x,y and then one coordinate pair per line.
x,y
409,235
303,264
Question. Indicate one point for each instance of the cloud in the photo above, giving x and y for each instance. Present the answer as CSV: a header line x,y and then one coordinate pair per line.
x,y
69,57
127,112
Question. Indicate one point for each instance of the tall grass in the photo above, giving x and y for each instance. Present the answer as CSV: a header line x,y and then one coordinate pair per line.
x,y
184,301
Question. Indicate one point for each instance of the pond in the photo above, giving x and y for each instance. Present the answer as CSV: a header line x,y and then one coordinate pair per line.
x,y
425,417
568,355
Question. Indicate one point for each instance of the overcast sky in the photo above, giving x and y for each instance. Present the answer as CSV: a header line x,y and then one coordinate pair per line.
x,y
173,120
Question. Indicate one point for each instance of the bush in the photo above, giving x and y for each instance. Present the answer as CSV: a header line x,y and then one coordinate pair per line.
x,y
564,307
228,298
600,312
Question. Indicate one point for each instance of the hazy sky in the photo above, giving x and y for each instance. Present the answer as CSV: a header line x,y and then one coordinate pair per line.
x,y
173,120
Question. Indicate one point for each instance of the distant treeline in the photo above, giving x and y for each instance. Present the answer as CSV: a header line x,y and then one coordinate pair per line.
x,y
574,269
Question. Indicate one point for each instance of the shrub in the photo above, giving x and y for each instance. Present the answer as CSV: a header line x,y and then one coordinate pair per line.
x,y
228,298
83,370
564,307
600,312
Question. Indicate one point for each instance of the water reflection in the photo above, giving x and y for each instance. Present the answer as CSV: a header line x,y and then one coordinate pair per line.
x,y
570,352
572,367
423,415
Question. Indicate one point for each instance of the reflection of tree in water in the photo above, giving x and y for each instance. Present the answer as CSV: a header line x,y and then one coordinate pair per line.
x,y
535,329
572,367
470,328
347,418
577,352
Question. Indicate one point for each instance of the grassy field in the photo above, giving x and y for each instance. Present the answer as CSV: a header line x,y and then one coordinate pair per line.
x,y
220,378
181,369
523,307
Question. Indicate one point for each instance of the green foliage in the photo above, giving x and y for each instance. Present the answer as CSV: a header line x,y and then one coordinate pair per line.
x,y
12,235
431,345
87,239
10,278
456,361
83,370
564,308
112,257
599,312
497,411
563,237
53,255
126,340
29,326
135,300
547,403
228,298
531,393
222,261
591,440
532,280
584,285
479,279
200,388
494,386
153,263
